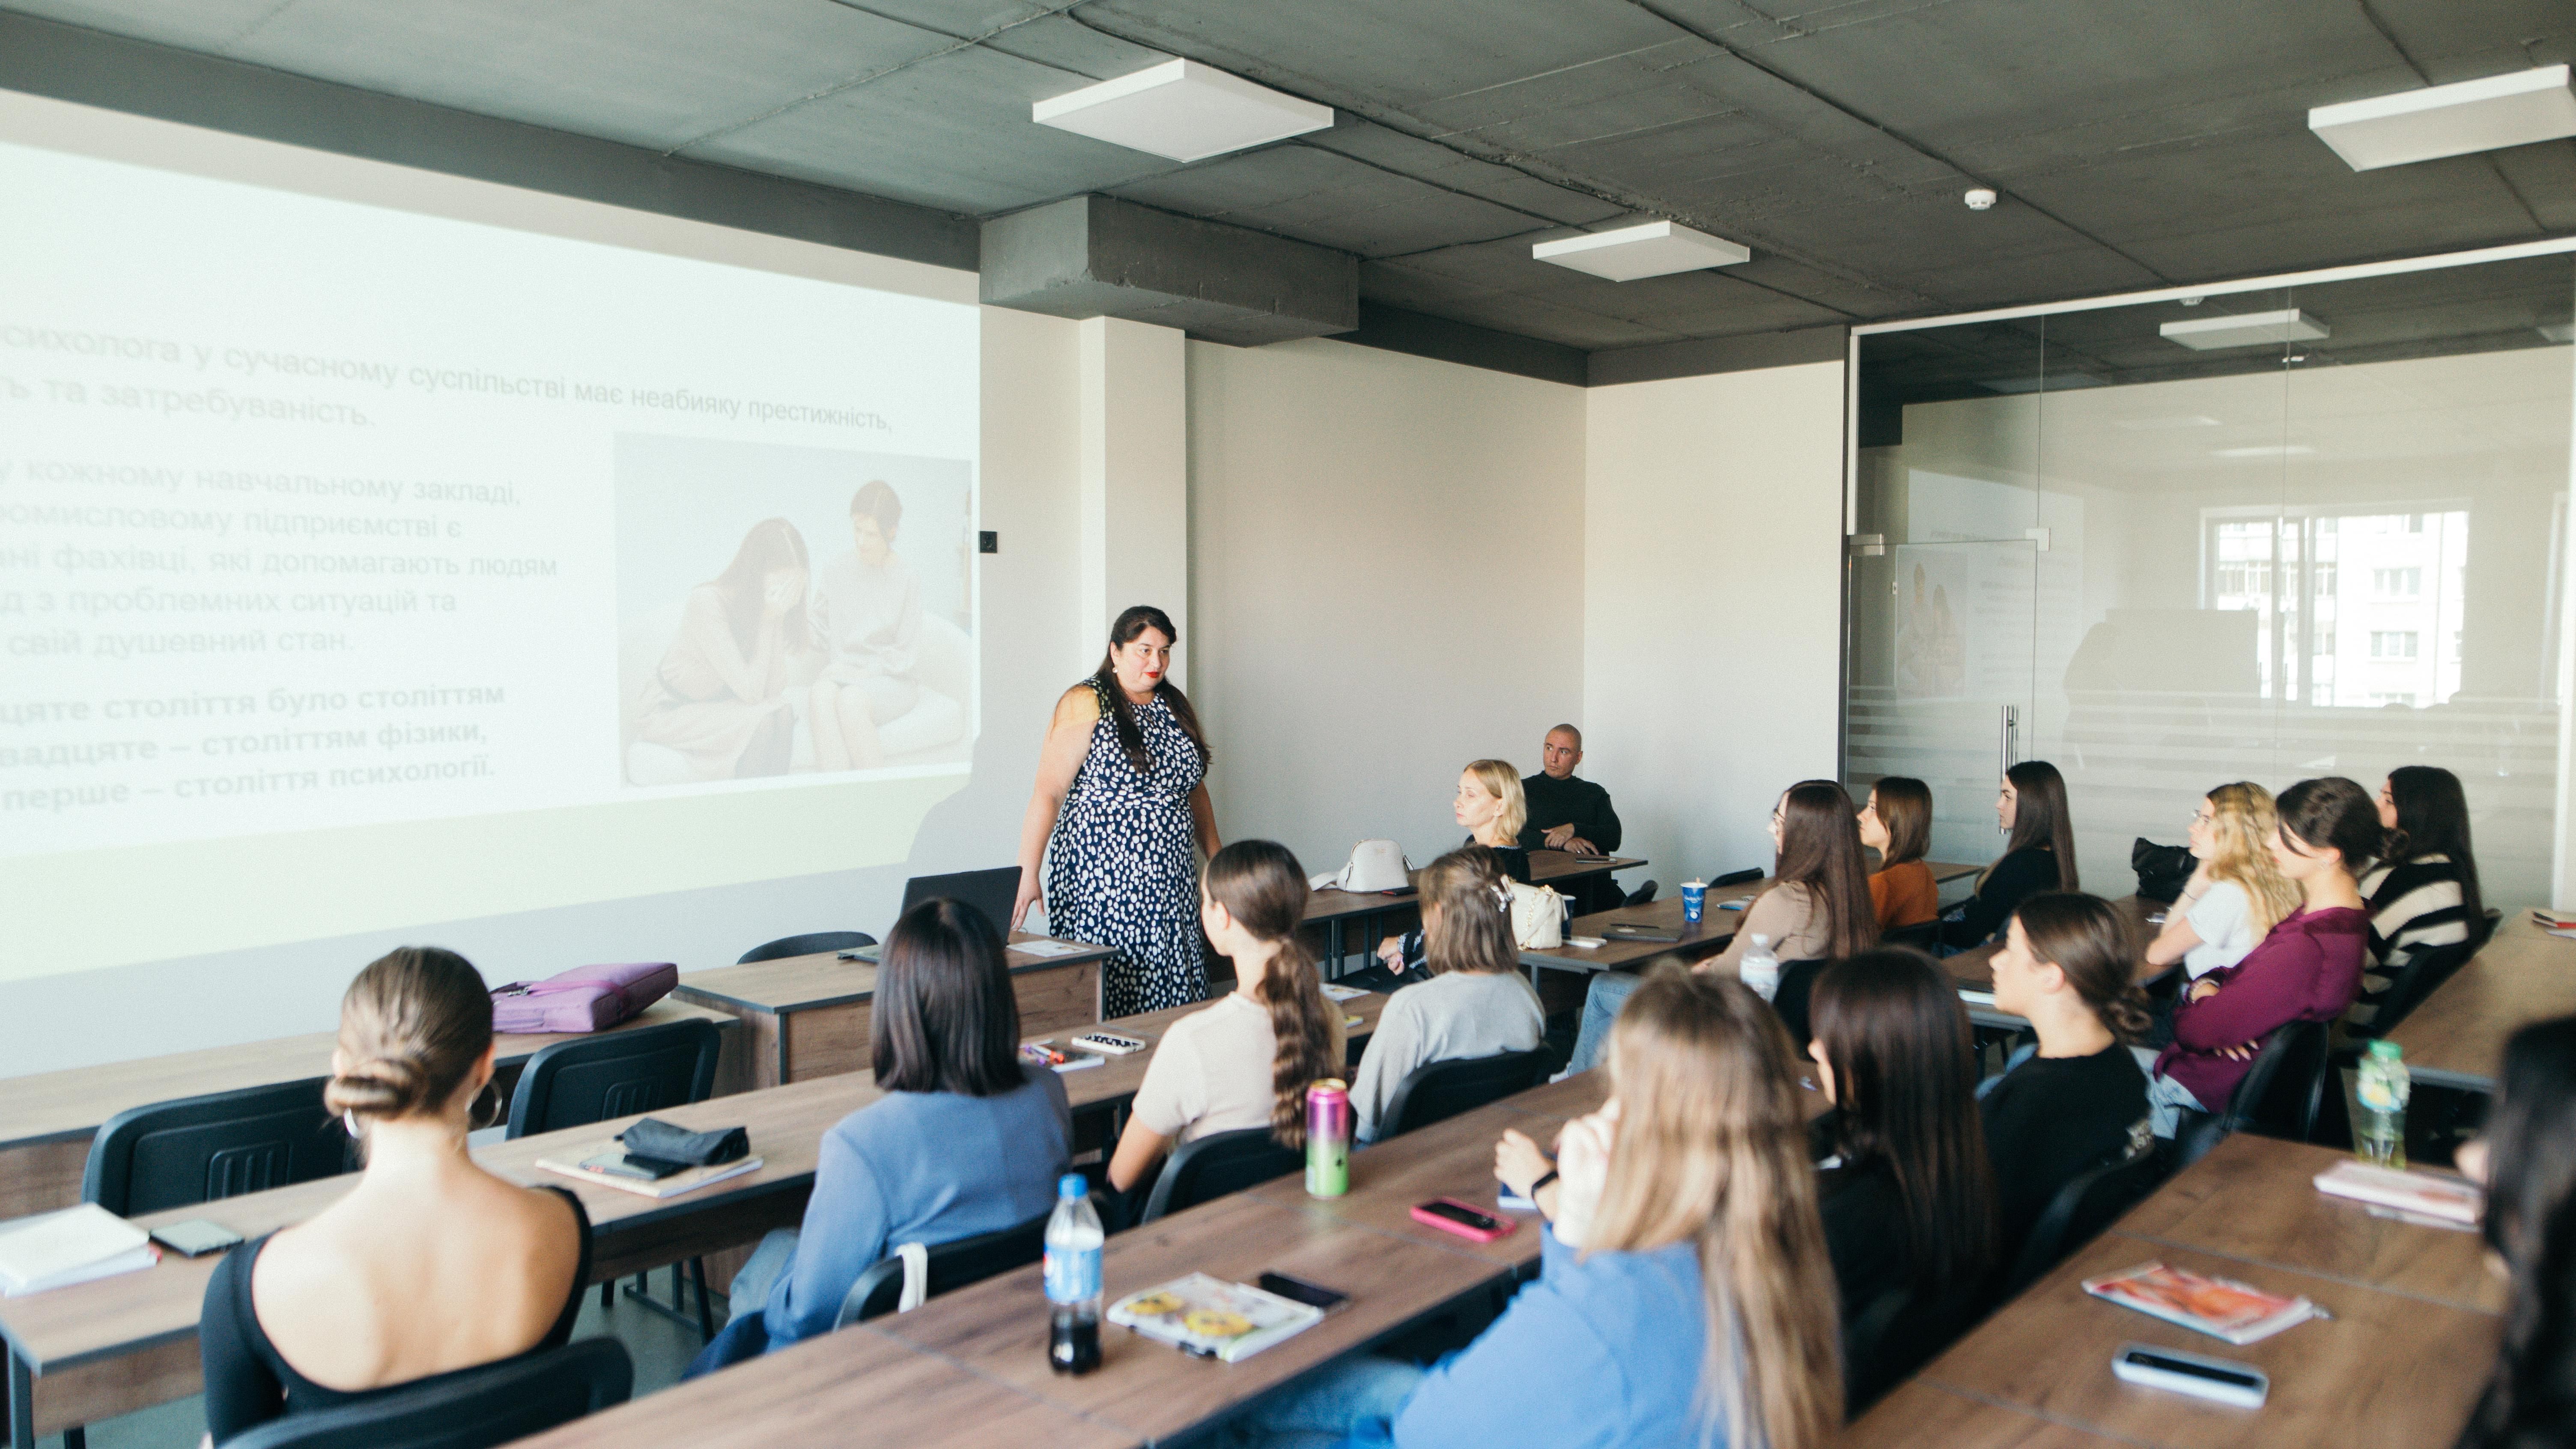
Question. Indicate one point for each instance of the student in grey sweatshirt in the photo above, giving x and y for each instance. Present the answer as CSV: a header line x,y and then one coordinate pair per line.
x,y
1474,1005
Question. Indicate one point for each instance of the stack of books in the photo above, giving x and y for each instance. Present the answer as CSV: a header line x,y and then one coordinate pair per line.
x,y
75,1245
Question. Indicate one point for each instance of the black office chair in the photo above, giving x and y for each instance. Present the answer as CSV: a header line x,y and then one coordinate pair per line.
x,y
1642,895
2079,1212
1900,1331
223,1144
1797,980
1442,1090
619,1074
1921,936
812,944
2279,1096
2416,980
1738,877
951,1266
472,1410
1217,1164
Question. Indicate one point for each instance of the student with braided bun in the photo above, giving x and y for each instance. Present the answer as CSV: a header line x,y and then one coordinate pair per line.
x,y
2078,1098
1247,1060
1474,1005
430,1265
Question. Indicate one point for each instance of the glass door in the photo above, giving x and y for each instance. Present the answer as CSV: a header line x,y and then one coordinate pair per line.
x,y
1943,571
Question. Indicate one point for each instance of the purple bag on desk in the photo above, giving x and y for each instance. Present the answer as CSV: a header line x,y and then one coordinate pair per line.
x,y
586,998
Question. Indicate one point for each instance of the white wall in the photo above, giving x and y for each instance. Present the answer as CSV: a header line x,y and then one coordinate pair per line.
x,y
1386,574
1712,582
1135,480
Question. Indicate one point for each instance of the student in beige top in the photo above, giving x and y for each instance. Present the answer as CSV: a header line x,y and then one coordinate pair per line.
x,y
1816,908
1247,1060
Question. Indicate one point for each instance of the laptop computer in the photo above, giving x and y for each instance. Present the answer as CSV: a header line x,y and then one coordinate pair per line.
x,y
993,892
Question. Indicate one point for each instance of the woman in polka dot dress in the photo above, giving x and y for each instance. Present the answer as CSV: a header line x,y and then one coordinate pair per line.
x,y
1121,799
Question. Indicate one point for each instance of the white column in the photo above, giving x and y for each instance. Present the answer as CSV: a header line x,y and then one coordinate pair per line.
x,y
2562,872
1135,480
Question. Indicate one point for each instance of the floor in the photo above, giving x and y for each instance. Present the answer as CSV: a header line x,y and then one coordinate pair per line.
x,y
660,1348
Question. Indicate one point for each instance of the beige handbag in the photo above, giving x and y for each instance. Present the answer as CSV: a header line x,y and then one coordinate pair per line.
x,y
1538,916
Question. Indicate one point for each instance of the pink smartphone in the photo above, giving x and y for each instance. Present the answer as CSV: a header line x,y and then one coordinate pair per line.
x,y
1465,1219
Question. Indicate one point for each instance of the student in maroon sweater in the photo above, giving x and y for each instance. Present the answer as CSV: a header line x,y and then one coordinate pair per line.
x,y
2307,969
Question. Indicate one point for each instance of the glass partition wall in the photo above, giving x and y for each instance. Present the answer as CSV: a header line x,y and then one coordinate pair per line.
x,y
2256,534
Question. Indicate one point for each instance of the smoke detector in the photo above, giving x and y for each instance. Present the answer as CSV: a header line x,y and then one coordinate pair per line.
x,y
1980,198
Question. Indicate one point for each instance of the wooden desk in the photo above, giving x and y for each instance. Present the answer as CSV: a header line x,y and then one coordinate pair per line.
x,y
859,1388
807,1016
1334,910
48,1120
1917,1413
2456,1037
1708,935
1946,871
2406,1354
85,1353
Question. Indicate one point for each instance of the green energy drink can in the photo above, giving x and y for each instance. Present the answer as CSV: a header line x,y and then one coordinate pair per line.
x,y
1328,1138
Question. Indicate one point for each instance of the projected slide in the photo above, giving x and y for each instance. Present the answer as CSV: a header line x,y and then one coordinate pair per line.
x,y
319,517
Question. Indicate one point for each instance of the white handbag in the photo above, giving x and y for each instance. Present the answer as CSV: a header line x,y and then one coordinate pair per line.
x,y
1375,865
1538,916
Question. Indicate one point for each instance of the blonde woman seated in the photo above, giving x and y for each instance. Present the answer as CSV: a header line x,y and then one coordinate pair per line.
x,y
2236,894
1492,807
1474,1005
430,1265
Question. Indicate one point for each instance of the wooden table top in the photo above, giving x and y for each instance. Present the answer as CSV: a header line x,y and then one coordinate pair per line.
x,y
804,983
2456,1037
1946,871
136,1310
1546,867
1916,1413
1714,929
2405,1355
72,1104
859,1387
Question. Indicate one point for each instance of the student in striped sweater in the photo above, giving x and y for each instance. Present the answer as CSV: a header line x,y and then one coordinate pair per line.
x,y
2423,892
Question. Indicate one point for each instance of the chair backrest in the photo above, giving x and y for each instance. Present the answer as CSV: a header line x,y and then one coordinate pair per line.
x,y
1642,895
1899,1332
2278,1097
1746,876
1922,935
1789,999
1442,1090
223,1144
2079,1212
473,1410
1217,1164
615,1074
2415,980
813,943
951,1266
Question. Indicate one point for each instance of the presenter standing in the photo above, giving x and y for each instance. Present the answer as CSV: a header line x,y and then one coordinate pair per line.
x,y
1121,799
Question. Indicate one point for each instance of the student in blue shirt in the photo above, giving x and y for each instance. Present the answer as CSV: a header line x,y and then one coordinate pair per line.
x,y
966,1139
1684,1296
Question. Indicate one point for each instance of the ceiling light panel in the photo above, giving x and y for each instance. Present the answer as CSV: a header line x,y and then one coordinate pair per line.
x,y
2246,329
1183,110
1653,249
2453,120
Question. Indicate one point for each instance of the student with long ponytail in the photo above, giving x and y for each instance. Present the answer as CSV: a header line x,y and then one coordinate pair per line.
x,y
1247,1060
1684,1295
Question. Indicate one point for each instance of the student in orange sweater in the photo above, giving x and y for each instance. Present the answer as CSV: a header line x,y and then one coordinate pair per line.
x,y
1897,823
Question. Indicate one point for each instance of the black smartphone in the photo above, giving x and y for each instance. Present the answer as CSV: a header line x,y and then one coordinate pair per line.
x,y
195,1237
1298,1290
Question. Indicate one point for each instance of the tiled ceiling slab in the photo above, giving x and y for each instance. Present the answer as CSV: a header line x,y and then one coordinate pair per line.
x,y
926,134
2135,144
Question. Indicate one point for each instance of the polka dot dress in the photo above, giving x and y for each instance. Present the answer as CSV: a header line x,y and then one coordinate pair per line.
x,y
1121,869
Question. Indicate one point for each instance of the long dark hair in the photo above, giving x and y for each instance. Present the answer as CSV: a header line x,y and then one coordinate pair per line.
x,y
2530,1224
1132,622
945,1019
772,543
2088,939
2332,813
1820,849
1905,1093
1905,808
2433,819
2040,819
1263,887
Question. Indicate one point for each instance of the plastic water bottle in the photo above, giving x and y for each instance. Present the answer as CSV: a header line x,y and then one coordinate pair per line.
x,y
1760,969
2380,1135
1073,1239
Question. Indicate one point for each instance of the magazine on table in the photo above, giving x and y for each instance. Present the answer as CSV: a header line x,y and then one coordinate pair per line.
x,y
1213,1318
2451,1200
2219,1307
